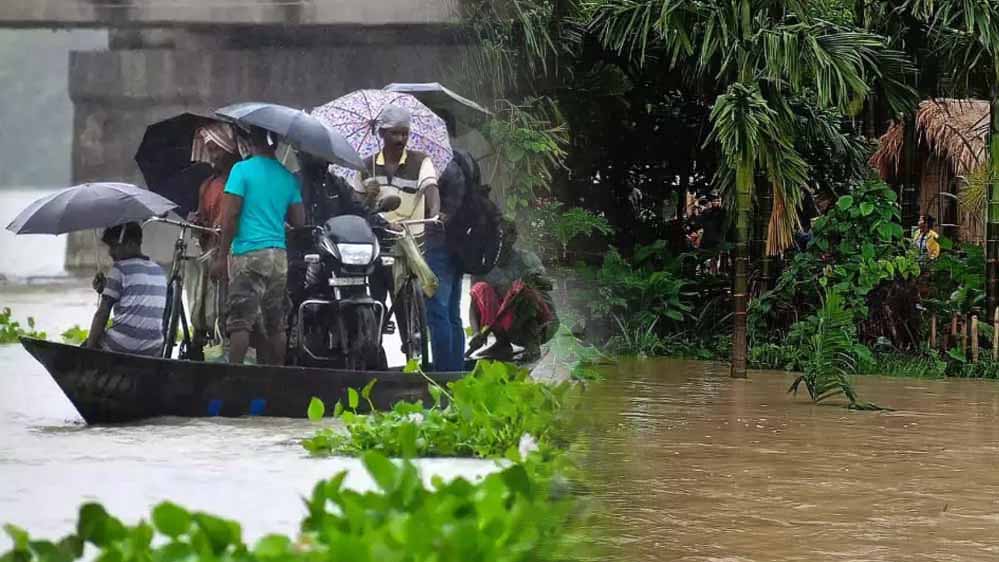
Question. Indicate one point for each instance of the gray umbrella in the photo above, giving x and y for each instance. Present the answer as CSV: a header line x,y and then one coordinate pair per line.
x,y
297,128
436,96
89,206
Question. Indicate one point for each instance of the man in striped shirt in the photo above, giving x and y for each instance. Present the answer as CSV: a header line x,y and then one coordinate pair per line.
x,y
135,290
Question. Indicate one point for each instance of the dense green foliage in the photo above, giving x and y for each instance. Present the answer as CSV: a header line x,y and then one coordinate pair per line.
x,y
858,250
488,414
518,513
11,330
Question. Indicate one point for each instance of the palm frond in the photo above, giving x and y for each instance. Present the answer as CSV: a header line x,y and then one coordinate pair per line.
x,y
828,355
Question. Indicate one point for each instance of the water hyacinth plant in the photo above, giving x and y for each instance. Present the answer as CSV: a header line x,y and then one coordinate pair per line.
x,y
11,330
515,514
486,414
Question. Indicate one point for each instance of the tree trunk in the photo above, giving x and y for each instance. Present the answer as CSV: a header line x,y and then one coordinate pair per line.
x,y
743,217
765,203
992,226
910,181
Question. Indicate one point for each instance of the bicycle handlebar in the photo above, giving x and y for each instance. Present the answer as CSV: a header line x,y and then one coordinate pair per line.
x,y
410,222
185,225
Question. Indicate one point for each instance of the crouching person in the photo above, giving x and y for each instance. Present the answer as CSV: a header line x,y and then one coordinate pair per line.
x,y
135,291
513,303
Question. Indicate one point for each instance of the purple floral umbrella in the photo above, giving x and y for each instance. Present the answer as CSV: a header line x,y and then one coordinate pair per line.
x,y
356,114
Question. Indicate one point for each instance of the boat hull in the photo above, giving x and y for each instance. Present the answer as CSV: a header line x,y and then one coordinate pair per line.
x,y
107,387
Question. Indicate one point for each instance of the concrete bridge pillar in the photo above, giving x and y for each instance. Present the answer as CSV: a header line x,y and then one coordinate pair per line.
x,y
148,75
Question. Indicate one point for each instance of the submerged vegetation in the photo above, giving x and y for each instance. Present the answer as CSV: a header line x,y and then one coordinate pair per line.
x,y
494,412
11,330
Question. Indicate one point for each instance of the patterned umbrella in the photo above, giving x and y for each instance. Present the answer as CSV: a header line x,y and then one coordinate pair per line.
x,y
355,116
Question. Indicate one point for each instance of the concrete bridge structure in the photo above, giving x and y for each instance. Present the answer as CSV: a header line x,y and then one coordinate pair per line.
x,y
169,56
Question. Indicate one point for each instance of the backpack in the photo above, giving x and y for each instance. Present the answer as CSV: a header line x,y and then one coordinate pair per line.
x,y
474,234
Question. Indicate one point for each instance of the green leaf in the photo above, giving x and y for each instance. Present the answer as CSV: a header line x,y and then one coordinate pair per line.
x,y
18,535
956,355
338,409
96,526
221,533
272,546
412,366
316,409
868,251
382,471
407,440
845,202
366,391
352,398
866,208
174,552
171,519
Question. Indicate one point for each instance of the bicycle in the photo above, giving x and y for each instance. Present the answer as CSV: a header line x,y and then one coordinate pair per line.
x,y
174,316
409,297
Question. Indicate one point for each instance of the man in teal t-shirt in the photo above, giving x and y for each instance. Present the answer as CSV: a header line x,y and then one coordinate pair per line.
x,y
260,195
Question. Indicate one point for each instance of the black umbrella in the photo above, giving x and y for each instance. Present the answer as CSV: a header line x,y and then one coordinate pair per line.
x,y
89,206
164,158
297,128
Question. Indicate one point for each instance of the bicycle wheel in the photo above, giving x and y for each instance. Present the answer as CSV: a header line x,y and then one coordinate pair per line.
x,y
416,320
174,306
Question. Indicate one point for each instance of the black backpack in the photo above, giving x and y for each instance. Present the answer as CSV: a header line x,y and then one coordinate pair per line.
x,y
474,233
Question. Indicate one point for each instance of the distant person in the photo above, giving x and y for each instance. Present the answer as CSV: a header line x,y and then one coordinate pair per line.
x,y
711,220
808,212
135,291
213,144
260,195
513,303
926,239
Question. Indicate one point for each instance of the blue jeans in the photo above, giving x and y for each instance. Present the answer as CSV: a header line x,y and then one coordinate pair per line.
x,y
447,334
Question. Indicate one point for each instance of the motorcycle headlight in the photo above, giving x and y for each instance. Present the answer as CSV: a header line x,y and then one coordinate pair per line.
x,y
356,254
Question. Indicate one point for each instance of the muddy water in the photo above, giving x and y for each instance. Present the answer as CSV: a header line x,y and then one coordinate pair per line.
x,y
696,467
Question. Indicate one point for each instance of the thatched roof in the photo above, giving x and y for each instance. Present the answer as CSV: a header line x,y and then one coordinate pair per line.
x,y
955,130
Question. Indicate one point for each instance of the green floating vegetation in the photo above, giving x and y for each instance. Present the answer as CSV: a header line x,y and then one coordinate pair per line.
x,y
516,514
11,330
497,411
75,335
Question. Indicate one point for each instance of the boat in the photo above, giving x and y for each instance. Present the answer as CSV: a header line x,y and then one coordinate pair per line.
x,y
108,387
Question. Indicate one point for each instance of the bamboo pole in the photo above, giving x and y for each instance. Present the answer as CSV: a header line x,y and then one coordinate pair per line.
x,y
974,339
933,332
995,335
992,210
743,218
910,183
953,332
964,337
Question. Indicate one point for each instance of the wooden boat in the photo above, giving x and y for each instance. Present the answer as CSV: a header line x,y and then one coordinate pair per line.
x,y
109,387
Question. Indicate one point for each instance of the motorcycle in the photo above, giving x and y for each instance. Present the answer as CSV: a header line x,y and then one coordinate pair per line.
x,y
335,323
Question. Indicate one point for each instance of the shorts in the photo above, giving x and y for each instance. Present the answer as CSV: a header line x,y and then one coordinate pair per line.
x,y
258,283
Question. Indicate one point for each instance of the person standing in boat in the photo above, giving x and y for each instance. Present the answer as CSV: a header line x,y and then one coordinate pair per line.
x,y
215,145
398,172
135,291
260,195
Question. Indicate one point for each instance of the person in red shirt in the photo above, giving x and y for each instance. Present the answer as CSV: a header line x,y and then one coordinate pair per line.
x,y
215,145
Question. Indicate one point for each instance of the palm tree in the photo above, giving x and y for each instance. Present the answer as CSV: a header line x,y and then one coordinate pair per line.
x,y
753,57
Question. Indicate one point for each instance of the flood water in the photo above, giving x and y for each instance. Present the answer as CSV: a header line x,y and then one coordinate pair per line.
x,y
250,469
694,466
